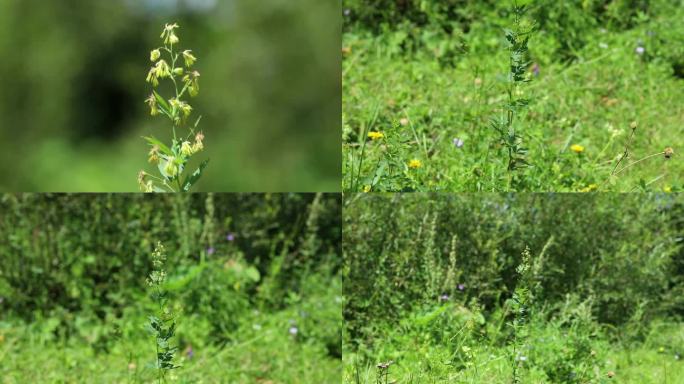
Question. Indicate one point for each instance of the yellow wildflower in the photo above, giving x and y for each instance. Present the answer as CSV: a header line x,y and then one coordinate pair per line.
x,y
589,188
415,163
376,135
667,189
366,188
577,148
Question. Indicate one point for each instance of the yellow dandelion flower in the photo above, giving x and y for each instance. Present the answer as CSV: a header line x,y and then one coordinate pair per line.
x,y
375,135
415,163
589,188
577,148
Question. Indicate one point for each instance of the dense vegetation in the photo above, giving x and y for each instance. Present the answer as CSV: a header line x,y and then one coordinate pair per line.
x,y
596,103
254,281
514,288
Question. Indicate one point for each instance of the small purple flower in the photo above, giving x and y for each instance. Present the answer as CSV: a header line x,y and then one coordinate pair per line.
x,y
535,69
444,297
230,236
293,330
640,50
458,143
210,251
461,287
189,352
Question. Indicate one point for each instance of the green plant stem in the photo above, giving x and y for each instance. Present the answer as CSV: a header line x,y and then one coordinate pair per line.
x,y
638,161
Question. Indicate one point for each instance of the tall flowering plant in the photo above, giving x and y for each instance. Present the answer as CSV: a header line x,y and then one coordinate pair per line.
x,y
174,65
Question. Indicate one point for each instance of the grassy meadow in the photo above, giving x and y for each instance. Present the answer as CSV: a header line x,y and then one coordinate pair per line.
x,y
519,288
250,282
432,101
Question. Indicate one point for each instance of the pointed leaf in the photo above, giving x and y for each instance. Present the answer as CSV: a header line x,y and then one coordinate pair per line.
x,y
190,180
162,147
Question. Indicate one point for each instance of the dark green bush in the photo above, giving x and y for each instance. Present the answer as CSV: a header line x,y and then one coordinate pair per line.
x,y
404,251
91,252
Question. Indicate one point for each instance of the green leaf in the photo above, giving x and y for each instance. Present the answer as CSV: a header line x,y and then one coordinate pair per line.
x,y
162,147
162,103
191,179
253,274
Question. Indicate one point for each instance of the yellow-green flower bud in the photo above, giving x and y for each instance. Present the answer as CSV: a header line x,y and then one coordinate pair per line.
x,y
189,58
152,102
186,149
154,155
162,69
178,71
149,187
185,108
173,39
155,55
152,77
199,145
171,168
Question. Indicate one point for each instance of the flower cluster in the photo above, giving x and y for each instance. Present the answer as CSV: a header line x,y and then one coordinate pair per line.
x,y
172,160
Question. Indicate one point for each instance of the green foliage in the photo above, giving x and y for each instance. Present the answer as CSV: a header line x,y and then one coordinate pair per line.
x,y
88,252
510,288
247,290
571,122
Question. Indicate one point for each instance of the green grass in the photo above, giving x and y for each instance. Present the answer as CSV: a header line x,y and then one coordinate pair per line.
x,y
263,351
418,360
421,105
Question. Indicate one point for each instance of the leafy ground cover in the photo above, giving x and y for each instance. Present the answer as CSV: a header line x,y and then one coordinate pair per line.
x,y
517,288
242,289
600,108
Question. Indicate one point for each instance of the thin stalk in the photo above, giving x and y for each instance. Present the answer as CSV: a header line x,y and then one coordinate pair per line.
x,y
638,161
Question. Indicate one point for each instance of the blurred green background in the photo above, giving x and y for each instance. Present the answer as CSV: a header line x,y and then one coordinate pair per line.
x,y
72,85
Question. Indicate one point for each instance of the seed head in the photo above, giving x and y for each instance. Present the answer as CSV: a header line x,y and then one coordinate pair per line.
x,y
668,152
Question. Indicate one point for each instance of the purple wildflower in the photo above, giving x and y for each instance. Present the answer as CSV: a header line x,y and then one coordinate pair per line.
x,y
535,69
230,236
189,352
210,251
293,330
461,287
640,50
458,143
